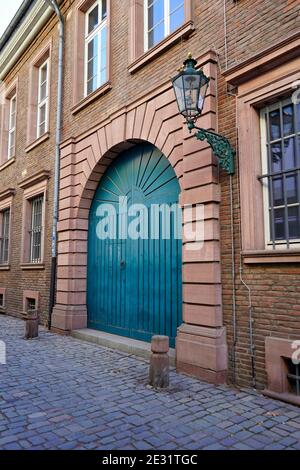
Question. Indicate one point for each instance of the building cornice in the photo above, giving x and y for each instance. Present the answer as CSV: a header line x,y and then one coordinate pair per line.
x,y
265,60
23,35
10,192
34,179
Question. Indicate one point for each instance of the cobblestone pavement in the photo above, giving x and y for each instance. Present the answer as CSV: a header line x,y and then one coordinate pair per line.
x,y
60,393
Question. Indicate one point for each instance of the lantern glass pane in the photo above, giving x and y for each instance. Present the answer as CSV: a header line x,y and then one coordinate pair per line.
x,y
179,92
191,87
202,94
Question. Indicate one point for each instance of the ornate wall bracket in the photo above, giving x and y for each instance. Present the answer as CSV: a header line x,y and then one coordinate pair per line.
x,y
220,146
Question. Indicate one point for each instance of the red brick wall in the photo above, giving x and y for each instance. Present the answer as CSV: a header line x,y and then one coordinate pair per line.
x,y
274,288
251,27
17,280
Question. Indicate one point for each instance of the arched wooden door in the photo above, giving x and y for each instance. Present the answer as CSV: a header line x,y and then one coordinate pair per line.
x,y
134,285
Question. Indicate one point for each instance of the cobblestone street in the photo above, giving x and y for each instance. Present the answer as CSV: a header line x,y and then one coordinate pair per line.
x,y
60,393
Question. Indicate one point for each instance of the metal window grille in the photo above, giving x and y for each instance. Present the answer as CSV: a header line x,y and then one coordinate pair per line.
x,y
31,305
282,123
294,377
4,238
36,229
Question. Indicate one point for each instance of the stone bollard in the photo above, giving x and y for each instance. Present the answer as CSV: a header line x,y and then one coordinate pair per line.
x,y
31,324
159,362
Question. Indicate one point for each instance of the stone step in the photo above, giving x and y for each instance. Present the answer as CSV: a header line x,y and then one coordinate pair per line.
x,y
121,343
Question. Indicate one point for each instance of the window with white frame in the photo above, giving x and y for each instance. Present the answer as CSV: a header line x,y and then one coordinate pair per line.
x,y
43,98
280,131
4,236
162,17
12,127
95,46
36,229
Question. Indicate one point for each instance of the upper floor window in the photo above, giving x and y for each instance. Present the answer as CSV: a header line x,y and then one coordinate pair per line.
x,y
162,17
4,236
95,46
8,124
39,97
12,127
280,129
43,93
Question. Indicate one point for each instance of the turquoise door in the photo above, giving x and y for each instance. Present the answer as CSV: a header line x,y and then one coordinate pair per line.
x,y
135,254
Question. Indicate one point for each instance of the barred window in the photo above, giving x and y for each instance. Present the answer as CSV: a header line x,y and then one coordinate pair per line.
x,y
36,229
4,236
293,377
281,173
31,305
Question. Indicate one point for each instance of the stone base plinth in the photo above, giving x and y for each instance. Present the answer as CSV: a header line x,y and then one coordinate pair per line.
x,y
202,352
66,319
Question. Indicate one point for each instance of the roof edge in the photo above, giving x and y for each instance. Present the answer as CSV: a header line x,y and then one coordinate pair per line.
x,y
17,19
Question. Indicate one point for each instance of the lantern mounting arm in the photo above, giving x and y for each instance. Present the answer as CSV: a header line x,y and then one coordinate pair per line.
x,y
219,144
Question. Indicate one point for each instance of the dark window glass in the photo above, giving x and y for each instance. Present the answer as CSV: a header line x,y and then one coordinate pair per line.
x,y
93,19
283,175
275,124
4,236
35,231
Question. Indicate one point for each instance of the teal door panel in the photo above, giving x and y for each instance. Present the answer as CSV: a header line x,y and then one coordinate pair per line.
x,y
135,284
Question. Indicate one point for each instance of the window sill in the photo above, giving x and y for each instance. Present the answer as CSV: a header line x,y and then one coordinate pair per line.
x,y
286,397
2,310
37,142
31,266
271,256
92,97
184,31
7,163
4,267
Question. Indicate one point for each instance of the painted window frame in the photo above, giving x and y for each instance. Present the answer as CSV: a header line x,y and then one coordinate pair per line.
x,y
138,55
43,101
7,95
4,235
37,202
166,21
90,36
259,82
6,203
277,244
11,149
33,187
34,103
80,99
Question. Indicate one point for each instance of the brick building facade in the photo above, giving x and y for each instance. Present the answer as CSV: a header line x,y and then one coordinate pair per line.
x,y
241,294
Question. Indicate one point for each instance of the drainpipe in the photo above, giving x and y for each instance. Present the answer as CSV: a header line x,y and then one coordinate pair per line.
x,y
54,5
233,275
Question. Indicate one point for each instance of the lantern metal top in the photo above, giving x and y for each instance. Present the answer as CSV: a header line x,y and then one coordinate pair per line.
x,y
190,87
